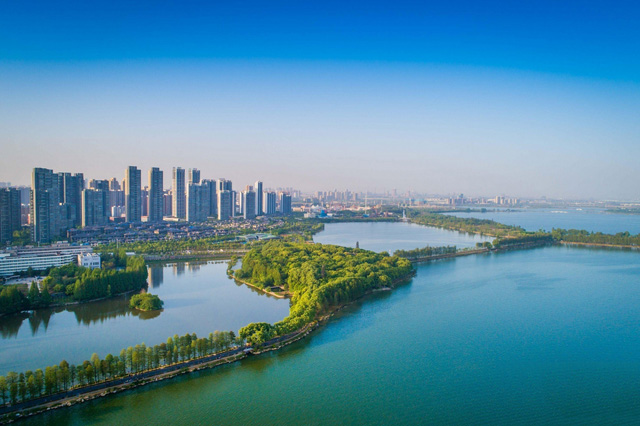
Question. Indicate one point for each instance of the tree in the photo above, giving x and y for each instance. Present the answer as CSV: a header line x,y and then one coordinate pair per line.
x,y
12,382
95,361
3,389
39,379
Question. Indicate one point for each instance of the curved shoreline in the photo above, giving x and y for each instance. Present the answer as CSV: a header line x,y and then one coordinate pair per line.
x,y
91,392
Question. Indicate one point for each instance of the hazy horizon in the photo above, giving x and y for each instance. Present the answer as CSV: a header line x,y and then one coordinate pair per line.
x,y
523,100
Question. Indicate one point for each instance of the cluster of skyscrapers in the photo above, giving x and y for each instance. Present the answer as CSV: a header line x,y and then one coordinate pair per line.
x,y
60,201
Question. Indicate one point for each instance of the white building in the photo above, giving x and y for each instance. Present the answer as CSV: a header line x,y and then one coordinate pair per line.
x,y
89,260
39,258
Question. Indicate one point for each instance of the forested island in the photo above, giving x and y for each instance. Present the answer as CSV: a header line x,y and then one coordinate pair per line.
x,y
508,236
72,283
146,302
319,277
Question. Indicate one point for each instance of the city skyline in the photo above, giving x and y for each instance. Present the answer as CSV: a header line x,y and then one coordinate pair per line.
x,y
437,98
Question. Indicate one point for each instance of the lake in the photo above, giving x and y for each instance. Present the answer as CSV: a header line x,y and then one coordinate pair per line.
x,y
547,336
592,220
198,298
392,236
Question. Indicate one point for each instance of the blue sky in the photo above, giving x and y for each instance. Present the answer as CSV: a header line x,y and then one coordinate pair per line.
x,y
477,97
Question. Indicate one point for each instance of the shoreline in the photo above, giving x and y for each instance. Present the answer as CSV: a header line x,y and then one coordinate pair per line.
x,y
285,295
141,379
64,305
604,245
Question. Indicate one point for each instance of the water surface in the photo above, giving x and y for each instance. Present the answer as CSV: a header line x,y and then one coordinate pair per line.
x,y
592,220
539,337
198,298
392,236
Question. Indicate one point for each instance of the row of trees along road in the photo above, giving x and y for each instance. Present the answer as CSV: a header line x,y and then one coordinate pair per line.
x,y
17,387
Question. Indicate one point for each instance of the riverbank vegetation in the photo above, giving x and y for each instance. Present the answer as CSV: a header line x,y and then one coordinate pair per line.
x,y
471,225
319,277
72,283
425,252
18,387
175,246
146,302
586,237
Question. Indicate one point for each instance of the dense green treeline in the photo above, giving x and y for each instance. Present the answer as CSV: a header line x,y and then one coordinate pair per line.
x,y
537,238
471,225
146,302
119,274
176,246
319,277
582,236
425,252
306,228
97,283
18,387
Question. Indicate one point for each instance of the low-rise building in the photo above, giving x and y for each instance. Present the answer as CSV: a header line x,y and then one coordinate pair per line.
x,y
21,259
89,260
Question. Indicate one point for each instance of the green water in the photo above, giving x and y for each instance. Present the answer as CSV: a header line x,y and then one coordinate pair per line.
x,y
198,298
539,337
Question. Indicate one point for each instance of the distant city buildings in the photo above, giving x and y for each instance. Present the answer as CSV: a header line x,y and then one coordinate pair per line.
x,y
178,193
194,176
59,202
156,195
93,207
269,203
225,207
248,204
10,213
285,204
259,197
46,212
132,199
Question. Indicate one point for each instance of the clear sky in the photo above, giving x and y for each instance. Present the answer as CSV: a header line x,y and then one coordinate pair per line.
x,y
519,98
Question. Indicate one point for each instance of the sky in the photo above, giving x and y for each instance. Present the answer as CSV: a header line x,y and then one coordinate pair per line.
x,y
484,98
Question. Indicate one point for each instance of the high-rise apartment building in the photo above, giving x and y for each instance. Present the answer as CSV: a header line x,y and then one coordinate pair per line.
x,y
10,212
210,186
103,185
198,202
193,176
226,185
45,210
178,193
259,196
269,205
114,185
248,203
93,207
167,203
70,191
285,204
155,207
144,201
132,199
224,204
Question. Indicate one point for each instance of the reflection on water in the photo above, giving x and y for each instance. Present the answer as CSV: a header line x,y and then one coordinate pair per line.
x,y
197,296
10,325
178,269
156,274
85,314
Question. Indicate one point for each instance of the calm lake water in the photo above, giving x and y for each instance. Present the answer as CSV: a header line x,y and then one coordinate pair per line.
x,y
392,236
547,336
198,298
592,220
